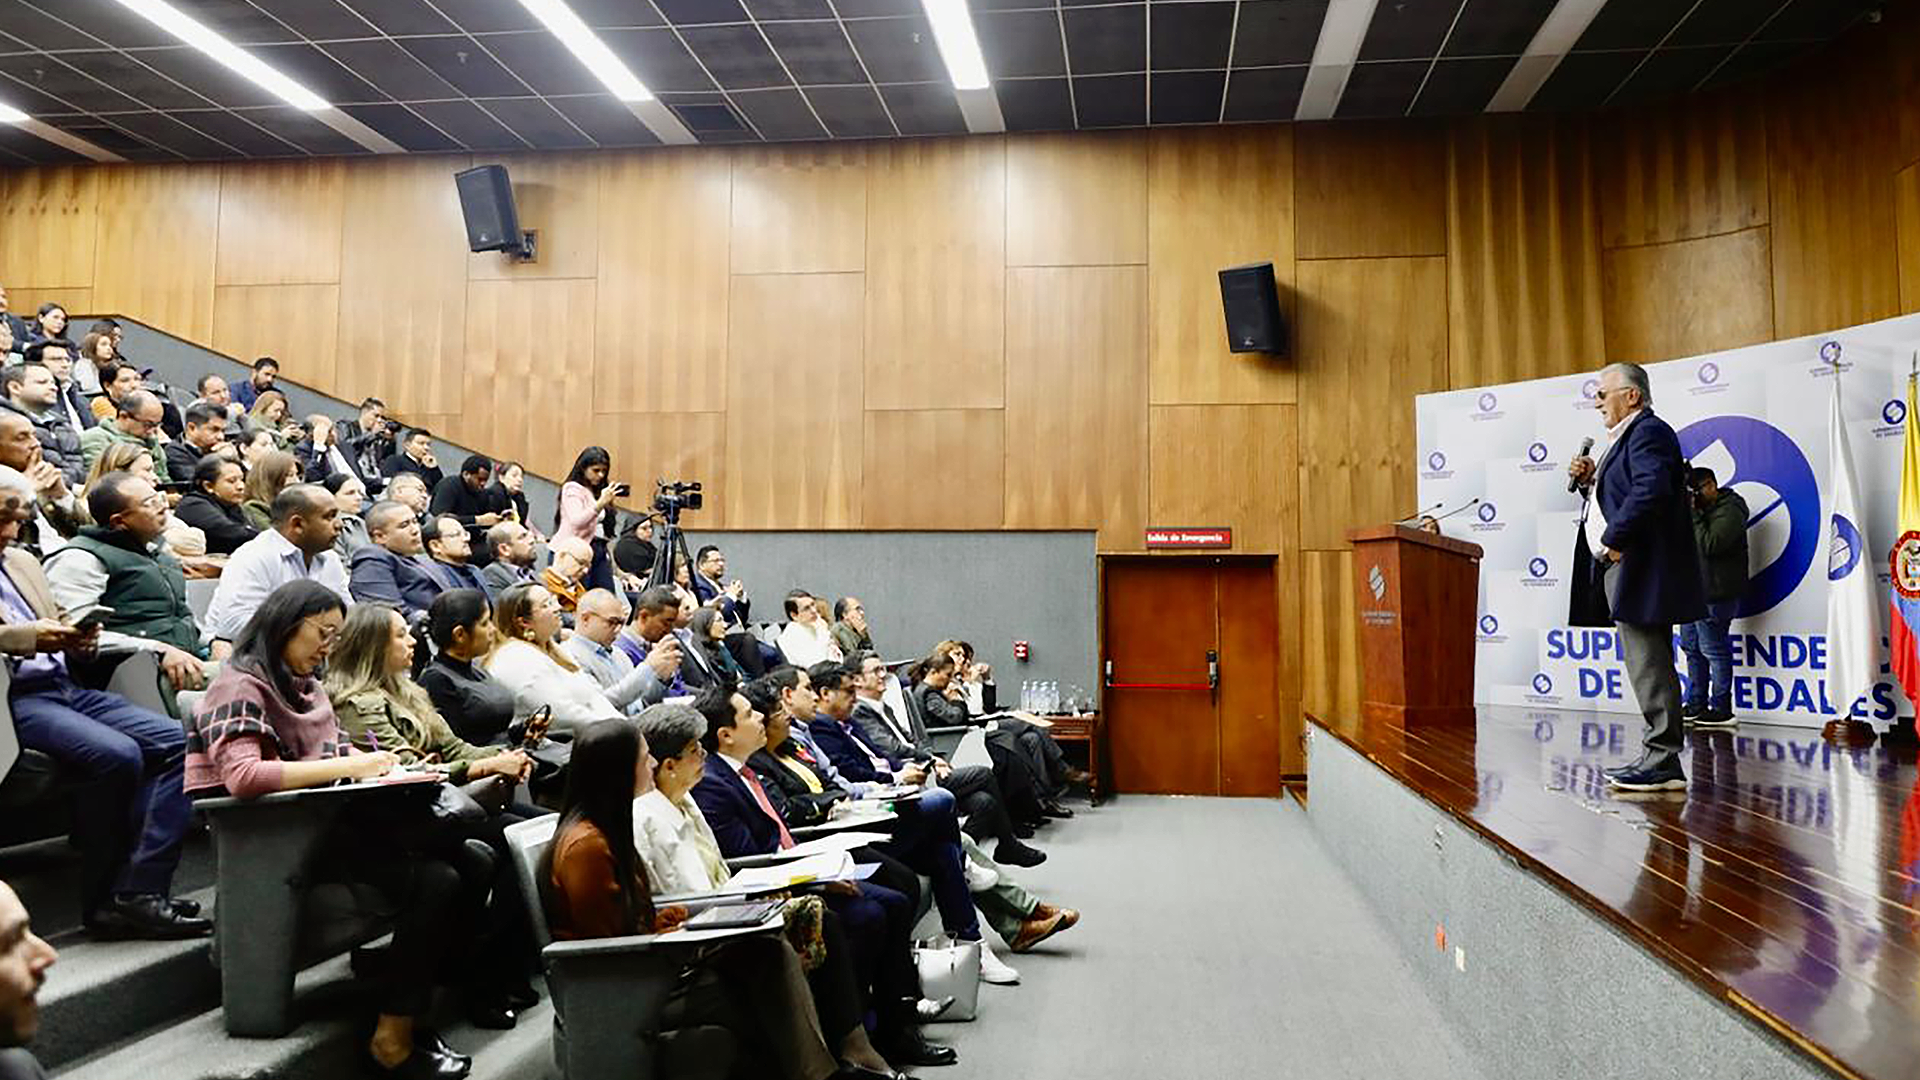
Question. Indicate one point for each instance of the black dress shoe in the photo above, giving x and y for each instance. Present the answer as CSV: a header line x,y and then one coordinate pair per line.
x,y
909,1047
522,996
1054,809
189,909
424,1064
1023,830
494,1014
856,1072
150,917
1018,855
428,1039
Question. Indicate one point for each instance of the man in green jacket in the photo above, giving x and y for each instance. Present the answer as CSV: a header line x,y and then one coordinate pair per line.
x,y
136,421
1720,532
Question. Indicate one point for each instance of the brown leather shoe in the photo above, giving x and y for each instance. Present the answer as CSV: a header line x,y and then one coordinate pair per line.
x,y
1044,910
1036,930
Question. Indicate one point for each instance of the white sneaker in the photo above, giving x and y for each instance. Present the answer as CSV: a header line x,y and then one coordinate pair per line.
x,y
979,878
994,970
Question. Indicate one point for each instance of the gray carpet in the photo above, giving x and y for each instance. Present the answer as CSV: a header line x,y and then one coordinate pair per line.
x,y
1217,940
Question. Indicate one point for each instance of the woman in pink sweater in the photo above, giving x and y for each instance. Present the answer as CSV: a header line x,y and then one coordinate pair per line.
x,y
585,499
265,725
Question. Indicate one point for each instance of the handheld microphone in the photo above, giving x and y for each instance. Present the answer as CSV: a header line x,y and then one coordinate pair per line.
x,y
1468,505
1415,516
1586,444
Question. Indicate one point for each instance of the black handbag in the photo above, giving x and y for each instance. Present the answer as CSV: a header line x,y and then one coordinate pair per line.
x,y
452,805
550,756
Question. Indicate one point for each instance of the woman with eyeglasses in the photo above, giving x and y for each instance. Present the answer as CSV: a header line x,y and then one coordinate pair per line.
x,y
266,725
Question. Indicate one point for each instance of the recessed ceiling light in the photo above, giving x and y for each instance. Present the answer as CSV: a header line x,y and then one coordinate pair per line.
x,y
959,47
584,44
243,63
11,115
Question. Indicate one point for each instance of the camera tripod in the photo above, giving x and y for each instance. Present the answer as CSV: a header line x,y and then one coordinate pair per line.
x,y
670,543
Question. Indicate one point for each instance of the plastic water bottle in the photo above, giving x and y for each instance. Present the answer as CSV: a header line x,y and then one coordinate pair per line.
x,y
1026,696
1052,697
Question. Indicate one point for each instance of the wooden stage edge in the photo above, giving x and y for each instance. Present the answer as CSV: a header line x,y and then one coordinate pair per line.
x,y
1784,882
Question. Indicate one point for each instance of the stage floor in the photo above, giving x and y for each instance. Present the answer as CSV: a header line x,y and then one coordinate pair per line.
x,y
1785,880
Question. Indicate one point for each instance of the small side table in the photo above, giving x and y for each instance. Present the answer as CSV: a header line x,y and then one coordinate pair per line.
x,y
1085,729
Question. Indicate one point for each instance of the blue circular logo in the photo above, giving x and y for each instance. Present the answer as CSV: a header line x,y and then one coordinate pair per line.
x,y
1488,401
1486,511
1537,453
1489,625
1830,351
1542,684
1779,481
1537,566
1843,554
1590,389
1709,372
1894,412
1436,461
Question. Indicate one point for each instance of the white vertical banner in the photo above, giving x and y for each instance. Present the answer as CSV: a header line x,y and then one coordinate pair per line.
x,y
1748,415
1854,652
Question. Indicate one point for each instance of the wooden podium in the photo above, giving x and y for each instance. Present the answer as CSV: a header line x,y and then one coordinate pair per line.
x,y
1415,596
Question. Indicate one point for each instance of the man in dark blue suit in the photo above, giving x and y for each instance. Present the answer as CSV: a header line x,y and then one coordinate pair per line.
x,y
388,570
1637,524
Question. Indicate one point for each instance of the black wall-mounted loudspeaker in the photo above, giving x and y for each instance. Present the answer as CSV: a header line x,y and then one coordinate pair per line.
x,y
1252,305
486,202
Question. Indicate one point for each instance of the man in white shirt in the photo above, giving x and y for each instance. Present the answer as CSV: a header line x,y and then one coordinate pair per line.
x,y
805,640
630,686
298,545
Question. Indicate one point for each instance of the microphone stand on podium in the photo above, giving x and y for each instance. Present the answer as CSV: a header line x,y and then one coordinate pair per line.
x,y
1416,592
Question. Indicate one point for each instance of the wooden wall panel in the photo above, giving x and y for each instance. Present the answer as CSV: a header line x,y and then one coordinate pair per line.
x,y
936,274
153,258
280,223
523,386
558,196
1077,199
1523,254
660,340
1077,401
1371,188
1682,170
48,222
669,446
1690,296
26,304
1907,234
1373,333
1215,198
800,208
1329,635
794,412
297,325
1227,465
934,469
1832,263
403,286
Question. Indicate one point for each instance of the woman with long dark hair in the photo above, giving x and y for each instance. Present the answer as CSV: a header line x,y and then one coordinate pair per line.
x,y
508,492
600,888
460,625
265,725
586,499
709,631
213,506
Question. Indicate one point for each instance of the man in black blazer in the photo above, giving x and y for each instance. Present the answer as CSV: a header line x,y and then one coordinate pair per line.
x,y
1638,525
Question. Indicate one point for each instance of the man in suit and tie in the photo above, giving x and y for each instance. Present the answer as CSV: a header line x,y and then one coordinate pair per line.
x,y
974,787
134,813
1638,526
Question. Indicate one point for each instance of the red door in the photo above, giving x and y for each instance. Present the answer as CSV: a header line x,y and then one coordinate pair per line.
x,y
1191,660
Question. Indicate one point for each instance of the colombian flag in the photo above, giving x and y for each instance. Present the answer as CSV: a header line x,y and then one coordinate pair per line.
x,y
1903,637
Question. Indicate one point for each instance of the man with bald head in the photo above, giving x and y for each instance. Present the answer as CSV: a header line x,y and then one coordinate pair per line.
x,y
389,569
136,420
298,545
56,513
566,576
597,621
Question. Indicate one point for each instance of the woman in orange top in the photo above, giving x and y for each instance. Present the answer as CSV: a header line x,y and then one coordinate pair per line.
x,y
599,889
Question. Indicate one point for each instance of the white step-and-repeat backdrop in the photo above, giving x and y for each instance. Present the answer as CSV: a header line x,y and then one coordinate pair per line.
x,y
1758,418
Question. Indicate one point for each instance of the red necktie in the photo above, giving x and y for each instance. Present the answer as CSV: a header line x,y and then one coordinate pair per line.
x,y
760,796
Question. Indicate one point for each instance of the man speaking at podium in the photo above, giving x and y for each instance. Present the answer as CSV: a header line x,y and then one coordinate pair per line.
x,y
1637,526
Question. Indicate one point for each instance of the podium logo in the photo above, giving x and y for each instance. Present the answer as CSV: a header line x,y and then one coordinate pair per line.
x,y
1830,352
1489,625
1377,582
1488,401
1537,567
1436,461
1781,494
1487,512
1843,554
1894,412
1709,373
1542,684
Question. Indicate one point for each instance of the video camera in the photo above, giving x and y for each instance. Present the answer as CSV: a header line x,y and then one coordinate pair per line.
x,y
672,497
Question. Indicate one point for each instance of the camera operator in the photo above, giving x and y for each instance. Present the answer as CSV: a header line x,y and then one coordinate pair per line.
x,y
585,511
1720,532
368,440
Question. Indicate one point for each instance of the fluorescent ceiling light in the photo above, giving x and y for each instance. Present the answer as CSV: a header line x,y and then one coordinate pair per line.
x,y
953,32
193,32
11,115
586,45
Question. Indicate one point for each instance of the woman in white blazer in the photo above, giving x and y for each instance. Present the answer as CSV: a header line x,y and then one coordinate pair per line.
x,y
527,662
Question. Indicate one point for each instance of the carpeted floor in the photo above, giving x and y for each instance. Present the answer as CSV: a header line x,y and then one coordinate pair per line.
x,y
1217,940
